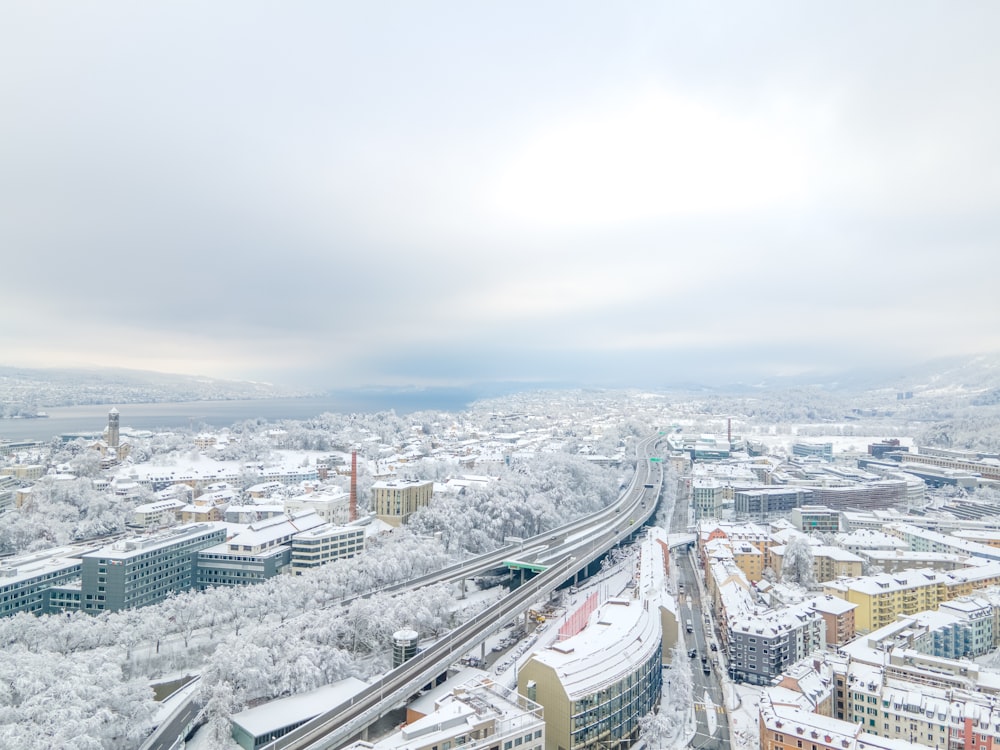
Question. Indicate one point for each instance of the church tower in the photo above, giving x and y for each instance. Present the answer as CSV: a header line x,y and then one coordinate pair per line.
x,y
113,429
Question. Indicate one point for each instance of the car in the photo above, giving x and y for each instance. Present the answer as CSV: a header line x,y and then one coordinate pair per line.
x,y
714,647
693,653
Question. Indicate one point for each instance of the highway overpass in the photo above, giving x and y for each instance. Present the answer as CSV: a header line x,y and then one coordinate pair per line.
x,y
554,558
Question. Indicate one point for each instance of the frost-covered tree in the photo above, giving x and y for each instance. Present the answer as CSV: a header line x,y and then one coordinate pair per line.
x,y
531,496
797,565
664,729
58,512
85,703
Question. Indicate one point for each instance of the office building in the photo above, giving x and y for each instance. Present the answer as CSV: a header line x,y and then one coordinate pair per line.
x,y
596,685
25,580
260,552
324,544
138,572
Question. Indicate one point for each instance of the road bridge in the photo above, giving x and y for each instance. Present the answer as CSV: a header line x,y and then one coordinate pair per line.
x,y
567,551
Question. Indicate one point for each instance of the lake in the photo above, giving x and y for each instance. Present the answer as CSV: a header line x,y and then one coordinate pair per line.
x,y
217,414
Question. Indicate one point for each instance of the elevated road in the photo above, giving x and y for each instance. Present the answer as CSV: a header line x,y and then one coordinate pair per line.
x,y
555,557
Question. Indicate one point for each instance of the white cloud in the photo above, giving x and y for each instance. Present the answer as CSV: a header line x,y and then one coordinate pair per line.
x,y
653,155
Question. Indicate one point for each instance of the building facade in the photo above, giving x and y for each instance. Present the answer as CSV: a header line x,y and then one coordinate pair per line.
x,y
138,572
598,684
396,501
26,581
762,504
324,544
762,646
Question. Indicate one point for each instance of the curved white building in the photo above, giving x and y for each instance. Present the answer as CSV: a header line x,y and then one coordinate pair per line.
x,y
596,686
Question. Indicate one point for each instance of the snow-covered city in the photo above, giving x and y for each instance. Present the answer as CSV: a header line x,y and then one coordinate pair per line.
x,y
738,573
454,375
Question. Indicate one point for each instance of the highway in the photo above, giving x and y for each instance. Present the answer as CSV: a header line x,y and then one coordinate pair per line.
x,y
567,551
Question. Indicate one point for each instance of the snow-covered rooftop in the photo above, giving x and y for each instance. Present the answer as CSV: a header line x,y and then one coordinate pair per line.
x,y
621,634
297,708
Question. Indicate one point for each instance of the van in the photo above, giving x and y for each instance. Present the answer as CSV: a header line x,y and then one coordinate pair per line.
x,y
689,626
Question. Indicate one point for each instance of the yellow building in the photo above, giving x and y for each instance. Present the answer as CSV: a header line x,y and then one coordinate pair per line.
x,y
749,559
396,501
882,598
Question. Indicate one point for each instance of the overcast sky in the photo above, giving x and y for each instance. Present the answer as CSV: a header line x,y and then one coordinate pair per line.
x,y
339,194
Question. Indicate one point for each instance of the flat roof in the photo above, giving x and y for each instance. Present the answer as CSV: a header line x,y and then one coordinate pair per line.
x,y
297,708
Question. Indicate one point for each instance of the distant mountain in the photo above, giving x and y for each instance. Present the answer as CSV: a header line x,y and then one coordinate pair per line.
x,y
977,374
25,390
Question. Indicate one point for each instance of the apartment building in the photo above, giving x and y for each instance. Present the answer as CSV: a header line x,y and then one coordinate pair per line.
x,y
867,540
810,518
882,598
957,630
926,715
394,502
785,727
838,619
478,715
928,540
762,646
768,502
333,507
903,559
828,562
155,515
757,535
